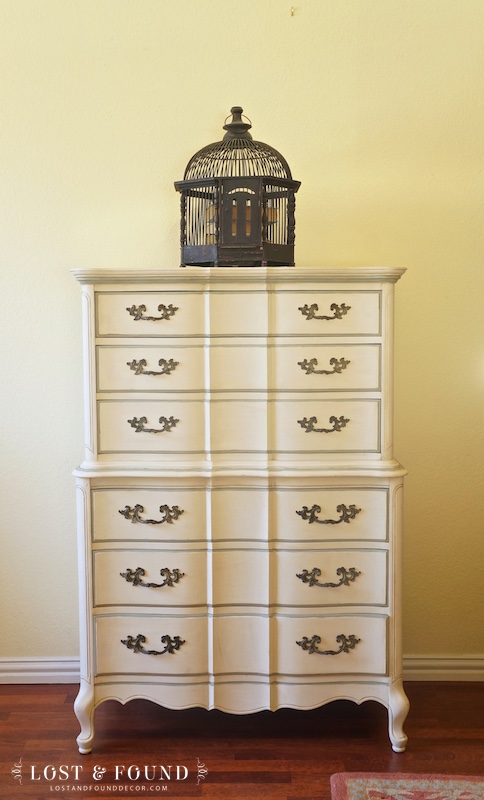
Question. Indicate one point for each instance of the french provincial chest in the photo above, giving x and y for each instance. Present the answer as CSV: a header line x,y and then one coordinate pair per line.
x,y
239,504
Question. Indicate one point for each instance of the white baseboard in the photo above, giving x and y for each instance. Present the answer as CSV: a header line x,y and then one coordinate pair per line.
x,y
415,668
443,668
39,670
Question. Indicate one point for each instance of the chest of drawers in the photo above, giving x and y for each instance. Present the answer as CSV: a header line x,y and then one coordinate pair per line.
x,y
239,505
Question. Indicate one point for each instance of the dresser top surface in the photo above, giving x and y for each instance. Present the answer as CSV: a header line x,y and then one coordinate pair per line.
x,y
264,276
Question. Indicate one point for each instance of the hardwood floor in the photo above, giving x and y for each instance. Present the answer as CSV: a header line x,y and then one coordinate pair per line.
x,y
287,755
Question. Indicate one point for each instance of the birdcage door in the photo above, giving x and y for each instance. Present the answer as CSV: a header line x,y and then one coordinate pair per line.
x,y
240,218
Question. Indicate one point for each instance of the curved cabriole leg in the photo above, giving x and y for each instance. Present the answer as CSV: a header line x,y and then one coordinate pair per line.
x,y
84,711
397,713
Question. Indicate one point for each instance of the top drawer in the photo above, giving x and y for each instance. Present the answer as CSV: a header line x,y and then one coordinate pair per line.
x,y
327,313
310,312
142,314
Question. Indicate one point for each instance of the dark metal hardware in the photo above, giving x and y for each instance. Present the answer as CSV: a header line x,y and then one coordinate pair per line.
x,y
138,367
347,576
137,312
167,424
338,364
347,513
136,644
310,424
346,644
169,514
338,311
135,576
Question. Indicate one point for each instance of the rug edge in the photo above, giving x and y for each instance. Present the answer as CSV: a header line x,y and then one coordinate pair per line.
x,y
339,780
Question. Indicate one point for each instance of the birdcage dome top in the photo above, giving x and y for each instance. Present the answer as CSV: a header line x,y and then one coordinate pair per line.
x,y
238,154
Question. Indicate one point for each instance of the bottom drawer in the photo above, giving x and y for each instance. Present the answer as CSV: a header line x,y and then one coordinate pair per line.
x,y
340,645
241,646
150,645
168,645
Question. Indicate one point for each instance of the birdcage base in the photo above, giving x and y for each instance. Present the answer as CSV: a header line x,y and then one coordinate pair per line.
x,y
213,255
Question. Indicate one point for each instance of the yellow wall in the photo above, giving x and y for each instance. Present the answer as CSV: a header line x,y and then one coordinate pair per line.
x,y
378,107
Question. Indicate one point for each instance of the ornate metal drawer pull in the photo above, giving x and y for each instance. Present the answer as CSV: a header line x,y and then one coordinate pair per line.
x,y
135,576
169,514
136,644
338,311
167,424
167,366
347,576
338,364
166,312
346,643
310,424
347,513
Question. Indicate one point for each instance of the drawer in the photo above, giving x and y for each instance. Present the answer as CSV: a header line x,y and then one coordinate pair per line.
x,y
240,513
239,427
238,312
141,314
330,578
146,514
168,578
327,426
327,313
316,367
255,427
172,426
240,577
339,514
241,646
149,368
165,427
132,644
312,367
331,645
238,368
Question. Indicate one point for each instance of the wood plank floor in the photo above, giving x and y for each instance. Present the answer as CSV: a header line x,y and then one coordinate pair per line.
x,y
287,755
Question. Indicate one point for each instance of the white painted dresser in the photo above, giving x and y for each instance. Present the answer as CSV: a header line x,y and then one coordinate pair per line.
x,y
239,505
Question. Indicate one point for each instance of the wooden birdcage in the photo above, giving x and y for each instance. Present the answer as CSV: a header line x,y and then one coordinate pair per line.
x,y
237,203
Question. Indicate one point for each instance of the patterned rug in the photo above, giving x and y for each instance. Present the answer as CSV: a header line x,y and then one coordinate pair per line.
x,y
400,786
